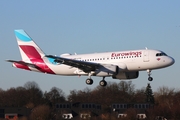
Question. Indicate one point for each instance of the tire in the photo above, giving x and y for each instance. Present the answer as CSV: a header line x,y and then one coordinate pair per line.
x,y
89,81
103,83
150,78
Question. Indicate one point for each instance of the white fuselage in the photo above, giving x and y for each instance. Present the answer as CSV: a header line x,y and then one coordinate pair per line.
x,y
135,60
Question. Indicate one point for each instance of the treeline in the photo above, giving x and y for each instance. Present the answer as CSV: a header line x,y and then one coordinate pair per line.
x,y
166,100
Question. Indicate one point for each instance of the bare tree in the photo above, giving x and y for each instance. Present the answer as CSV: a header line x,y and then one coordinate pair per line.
x,y
34,94
126,87
55,95
41,112
31,85
81,95
139,96
164,101
131,114
11,97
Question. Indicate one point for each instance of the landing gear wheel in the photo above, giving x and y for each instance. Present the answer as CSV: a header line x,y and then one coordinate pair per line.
x,y
89,81
150,78
149,74
103,83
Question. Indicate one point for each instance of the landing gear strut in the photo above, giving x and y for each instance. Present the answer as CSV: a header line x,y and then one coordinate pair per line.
x,y
89,81
149,74
103,82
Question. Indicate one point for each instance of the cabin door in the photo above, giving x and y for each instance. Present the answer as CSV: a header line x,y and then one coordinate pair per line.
x,y
146,56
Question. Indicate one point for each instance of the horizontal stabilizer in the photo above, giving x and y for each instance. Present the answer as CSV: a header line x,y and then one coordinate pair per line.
x,y
23,63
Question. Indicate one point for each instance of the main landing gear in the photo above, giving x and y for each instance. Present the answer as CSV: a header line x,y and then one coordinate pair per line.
x,y
89,81
149,74
103,83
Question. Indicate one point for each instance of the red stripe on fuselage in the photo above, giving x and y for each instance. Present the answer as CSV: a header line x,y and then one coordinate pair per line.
x,y
36,59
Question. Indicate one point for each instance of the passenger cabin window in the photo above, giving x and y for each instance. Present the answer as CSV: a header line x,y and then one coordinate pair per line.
x,y
161,54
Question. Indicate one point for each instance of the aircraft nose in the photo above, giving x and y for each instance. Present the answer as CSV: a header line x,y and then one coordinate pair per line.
x,y
171,61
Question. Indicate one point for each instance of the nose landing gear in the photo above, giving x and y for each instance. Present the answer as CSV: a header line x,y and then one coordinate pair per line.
x,y
149,75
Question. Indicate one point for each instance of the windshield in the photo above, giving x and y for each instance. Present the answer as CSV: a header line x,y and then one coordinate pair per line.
x,y
161,54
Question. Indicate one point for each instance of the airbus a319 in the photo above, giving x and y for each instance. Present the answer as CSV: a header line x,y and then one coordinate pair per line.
x,y
118,65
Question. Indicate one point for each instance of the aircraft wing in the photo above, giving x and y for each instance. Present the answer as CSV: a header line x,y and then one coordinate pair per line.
x,y
85,66
23,63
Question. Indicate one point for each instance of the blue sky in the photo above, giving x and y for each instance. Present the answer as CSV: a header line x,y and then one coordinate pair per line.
x,y
86,27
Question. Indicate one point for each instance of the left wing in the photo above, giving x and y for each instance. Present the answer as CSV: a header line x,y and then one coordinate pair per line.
x,y
85,66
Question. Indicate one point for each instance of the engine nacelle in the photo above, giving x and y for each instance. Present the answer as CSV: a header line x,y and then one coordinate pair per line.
x,y
126,75
107,70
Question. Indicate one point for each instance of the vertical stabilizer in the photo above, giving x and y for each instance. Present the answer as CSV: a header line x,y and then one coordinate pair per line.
x,y
27,47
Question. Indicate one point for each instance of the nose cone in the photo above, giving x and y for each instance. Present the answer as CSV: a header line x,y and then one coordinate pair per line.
x,y
171,61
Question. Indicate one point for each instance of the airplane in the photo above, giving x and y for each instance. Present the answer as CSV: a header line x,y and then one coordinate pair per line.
x,y
118,65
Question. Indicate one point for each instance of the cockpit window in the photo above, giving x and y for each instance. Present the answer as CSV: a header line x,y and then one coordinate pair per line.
x,y
161,54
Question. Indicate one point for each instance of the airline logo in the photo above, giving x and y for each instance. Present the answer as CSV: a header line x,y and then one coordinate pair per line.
x,y
139,53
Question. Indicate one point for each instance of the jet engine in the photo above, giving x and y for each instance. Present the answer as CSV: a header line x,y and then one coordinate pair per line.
x,y
107,70
126,75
